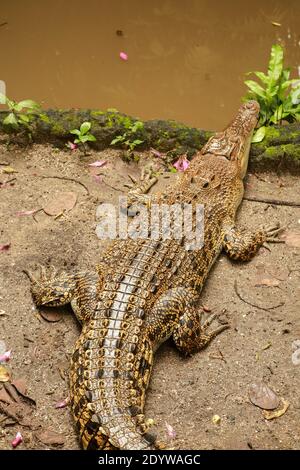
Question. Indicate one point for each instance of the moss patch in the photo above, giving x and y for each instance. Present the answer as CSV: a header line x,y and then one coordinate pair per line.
x,y
279,149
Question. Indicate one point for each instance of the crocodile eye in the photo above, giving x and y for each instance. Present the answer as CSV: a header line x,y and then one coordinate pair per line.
x,y
205,184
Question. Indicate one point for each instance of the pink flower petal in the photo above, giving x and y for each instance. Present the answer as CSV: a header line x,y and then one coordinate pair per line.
x,y
4,247
5,357
98,178
123,56
62,403
182,163
170,431
72,146
17,440
21,213
98,163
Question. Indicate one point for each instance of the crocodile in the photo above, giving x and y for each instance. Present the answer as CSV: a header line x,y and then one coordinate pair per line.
x,y
145,291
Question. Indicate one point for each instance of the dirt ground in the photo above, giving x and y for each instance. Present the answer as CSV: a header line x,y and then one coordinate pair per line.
x,y
184,393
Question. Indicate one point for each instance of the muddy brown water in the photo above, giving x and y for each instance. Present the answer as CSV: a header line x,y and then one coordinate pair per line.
x,y
186,59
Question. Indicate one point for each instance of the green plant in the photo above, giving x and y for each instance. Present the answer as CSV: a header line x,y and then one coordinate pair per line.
x,y
83,135
278,95
21,114
128,138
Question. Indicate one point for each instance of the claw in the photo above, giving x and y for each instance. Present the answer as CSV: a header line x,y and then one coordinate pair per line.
x,y
53,271
133,179
274,240
218,330
275,229
272,232
270,228
30,275
42,270
266,246
209,320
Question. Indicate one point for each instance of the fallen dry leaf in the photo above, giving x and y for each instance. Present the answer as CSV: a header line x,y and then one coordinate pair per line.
x,y
279,272
265,279
4,396
20,386
50,438
4,374
51,316
277,413
291,238
12,392
19,412
63,201
4,247
262,396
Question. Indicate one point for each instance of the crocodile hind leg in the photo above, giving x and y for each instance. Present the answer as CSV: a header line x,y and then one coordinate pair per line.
x,y
242,246
176,314
53,288
192,333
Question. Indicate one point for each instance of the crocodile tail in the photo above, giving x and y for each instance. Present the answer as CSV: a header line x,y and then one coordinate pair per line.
x,y
115,432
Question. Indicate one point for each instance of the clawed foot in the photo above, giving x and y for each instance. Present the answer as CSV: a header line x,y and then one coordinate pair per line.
x,y
42,274
137,191
271,234
50,287
207,322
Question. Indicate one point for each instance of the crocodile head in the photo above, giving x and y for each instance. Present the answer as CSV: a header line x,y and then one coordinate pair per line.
x,y
234,142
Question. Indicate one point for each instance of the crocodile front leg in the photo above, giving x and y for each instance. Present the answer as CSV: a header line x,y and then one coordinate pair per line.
x,y
243,246
137,195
